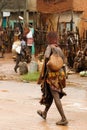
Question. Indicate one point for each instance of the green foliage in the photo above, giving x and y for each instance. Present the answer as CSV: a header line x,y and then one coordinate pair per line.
x,y
30,77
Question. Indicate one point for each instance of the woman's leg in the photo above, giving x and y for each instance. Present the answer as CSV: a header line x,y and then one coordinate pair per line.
x,y
59,107
43,114
49,100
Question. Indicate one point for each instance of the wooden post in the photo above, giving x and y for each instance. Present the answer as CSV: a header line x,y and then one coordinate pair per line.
x,y
58,23
71,22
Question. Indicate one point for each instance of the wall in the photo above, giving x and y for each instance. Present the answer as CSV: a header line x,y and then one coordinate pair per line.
x,y
13,5
81,5
54,8
79,8
32,5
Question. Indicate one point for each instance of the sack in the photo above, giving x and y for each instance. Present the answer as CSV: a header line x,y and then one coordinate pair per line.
x,y
18,49
83,73
55,62
14,47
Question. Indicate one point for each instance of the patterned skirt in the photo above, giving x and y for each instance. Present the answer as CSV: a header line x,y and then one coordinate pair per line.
x,y
55,81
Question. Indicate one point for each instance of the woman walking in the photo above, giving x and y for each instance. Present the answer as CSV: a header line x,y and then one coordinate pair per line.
x,y
52,82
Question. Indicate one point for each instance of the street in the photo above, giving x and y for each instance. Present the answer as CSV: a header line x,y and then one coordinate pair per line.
x,y
19,103
33,31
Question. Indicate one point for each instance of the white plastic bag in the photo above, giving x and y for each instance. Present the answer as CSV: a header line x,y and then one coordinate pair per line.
x,y
18,49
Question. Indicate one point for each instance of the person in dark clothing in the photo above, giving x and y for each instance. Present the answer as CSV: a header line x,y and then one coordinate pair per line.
x,y
84,59
21,56
78,63
52,83
18,53
71,49
18,59
2,46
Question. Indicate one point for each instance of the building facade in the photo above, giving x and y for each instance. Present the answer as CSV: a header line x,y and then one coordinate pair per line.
x,y
64,14
12,9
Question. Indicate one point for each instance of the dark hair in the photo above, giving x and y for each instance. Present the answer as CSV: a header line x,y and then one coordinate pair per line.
x,y
52,37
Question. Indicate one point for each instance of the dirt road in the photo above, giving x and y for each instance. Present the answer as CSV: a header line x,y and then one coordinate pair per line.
x,y
19,103
7,68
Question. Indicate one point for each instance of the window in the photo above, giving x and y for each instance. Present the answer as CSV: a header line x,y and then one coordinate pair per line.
x,y
66,26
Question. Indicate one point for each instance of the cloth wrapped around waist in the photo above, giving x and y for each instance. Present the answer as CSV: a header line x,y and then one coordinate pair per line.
x,y
56,80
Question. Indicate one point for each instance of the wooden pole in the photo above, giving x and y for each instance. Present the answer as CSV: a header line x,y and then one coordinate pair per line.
x,y
71,22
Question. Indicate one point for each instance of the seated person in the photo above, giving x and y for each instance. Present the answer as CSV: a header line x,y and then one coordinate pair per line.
x,y
78,62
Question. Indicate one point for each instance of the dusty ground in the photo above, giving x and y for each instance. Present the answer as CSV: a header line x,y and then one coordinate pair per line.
x,y
7,72
7,68
19,102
